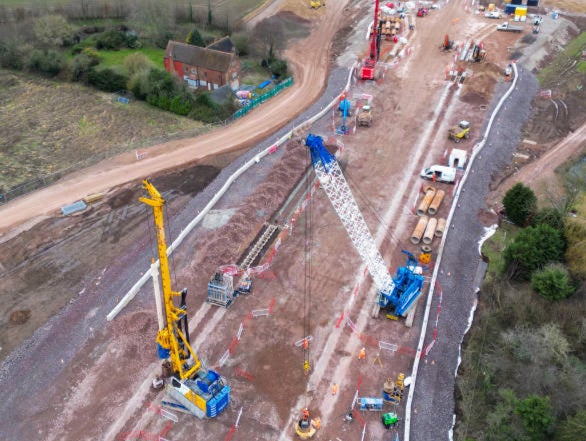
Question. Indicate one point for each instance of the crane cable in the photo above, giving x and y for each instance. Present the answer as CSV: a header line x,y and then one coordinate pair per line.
x,y
307,274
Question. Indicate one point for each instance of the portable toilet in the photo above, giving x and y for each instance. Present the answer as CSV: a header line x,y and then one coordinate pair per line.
x,y
457,158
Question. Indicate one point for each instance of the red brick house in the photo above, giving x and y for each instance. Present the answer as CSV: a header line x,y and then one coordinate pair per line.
x,y
206,68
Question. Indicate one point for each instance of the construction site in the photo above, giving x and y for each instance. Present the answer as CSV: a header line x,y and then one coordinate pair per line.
x,y
284,277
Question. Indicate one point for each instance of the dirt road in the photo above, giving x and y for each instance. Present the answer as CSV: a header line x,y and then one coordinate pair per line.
x,y
309,74
540,174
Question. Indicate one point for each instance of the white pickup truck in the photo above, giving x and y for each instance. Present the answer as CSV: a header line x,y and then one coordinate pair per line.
x,y
506,27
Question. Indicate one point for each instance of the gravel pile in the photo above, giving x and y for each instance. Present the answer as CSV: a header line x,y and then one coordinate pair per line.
x,y
433,405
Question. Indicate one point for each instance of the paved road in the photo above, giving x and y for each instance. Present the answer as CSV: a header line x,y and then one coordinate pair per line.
x,y
434,395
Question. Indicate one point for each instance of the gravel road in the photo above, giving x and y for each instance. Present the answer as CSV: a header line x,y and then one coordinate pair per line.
x,y
433,405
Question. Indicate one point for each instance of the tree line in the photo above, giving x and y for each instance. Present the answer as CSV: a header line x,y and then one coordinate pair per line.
x,y
523,371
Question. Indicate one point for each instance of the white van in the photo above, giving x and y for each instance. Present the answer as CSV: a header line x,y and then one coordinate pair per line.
x,y
440,172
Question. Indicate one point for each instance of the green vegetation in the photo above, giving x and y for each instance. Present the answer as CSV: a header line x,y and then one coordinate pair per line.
x,y
117,58
520,204
532,249
570,57
523,371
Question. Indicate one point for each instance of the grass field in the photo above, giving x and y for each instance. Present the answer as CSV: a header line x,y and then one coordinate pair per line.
x,y
114,58
48,126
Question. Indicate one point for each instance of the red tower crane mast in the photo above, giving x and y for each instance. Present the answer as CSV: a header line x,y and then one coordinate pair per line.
x,y
369,65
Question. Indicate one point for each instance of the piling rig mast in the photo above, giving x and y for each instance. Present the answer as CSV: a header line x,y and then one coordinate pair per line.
x,y
368,69
192,388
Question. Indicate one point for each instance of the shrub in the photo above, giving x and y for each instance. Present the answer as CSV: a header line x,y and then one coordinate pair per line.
x,y
553,282
53,30
537,416
107,79
49,63
139,84
80,66
549,216
194,38
241,41
575,232
132,40
573,428
279,68
89,42
532,249
137,62
520,204
12,56
181,104
111,40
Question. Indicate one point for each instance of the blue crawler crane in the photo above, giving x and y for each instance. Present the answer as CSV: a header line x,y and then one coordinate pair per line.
x,y
408,282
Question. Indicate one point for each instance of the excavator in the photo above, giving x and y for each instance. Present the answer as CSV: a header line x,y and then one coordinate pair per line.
x,y
316,4
191,388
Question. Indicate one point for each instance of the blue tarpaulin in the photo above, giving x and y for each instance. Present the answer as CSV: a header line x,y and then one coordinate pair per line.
x,y
73,208
264,84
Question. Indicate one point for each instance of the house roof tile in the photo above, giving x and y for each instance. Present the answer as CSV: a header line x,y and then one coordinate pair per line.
x,y
198,56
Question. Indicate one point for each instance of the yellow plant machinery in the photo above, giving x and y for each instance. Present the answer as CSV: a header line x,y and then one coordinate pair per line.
x,y
191,387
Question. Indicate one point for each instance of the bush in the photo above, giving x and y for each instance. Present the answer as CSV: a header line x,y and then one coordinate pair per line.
x,y
111,40
575,233
532,249
520,204
53,30
136,62
537,417
80,66
573,428
553,282
181,104
549,216
89,42
194,38
279,68
241,41
139,84
12,56
107,79
49,63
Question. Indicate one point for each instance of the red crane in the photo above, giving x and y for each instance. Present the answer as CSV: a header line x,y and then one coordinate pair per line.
x,y
369,65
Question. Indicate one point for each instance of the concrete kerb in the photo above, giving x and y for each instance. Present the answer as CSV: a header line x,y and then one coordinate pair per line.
x,y
269,150
475,152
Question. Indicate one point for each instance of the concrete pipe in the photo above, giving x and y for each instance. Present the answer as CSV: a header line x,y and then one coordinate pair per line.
x,y
441,227
419,229
436,202
429,230
424,204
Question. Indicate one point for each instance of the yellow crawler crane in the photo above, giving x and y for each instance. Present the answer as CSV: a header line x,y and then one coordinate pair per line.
x,y
191,388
